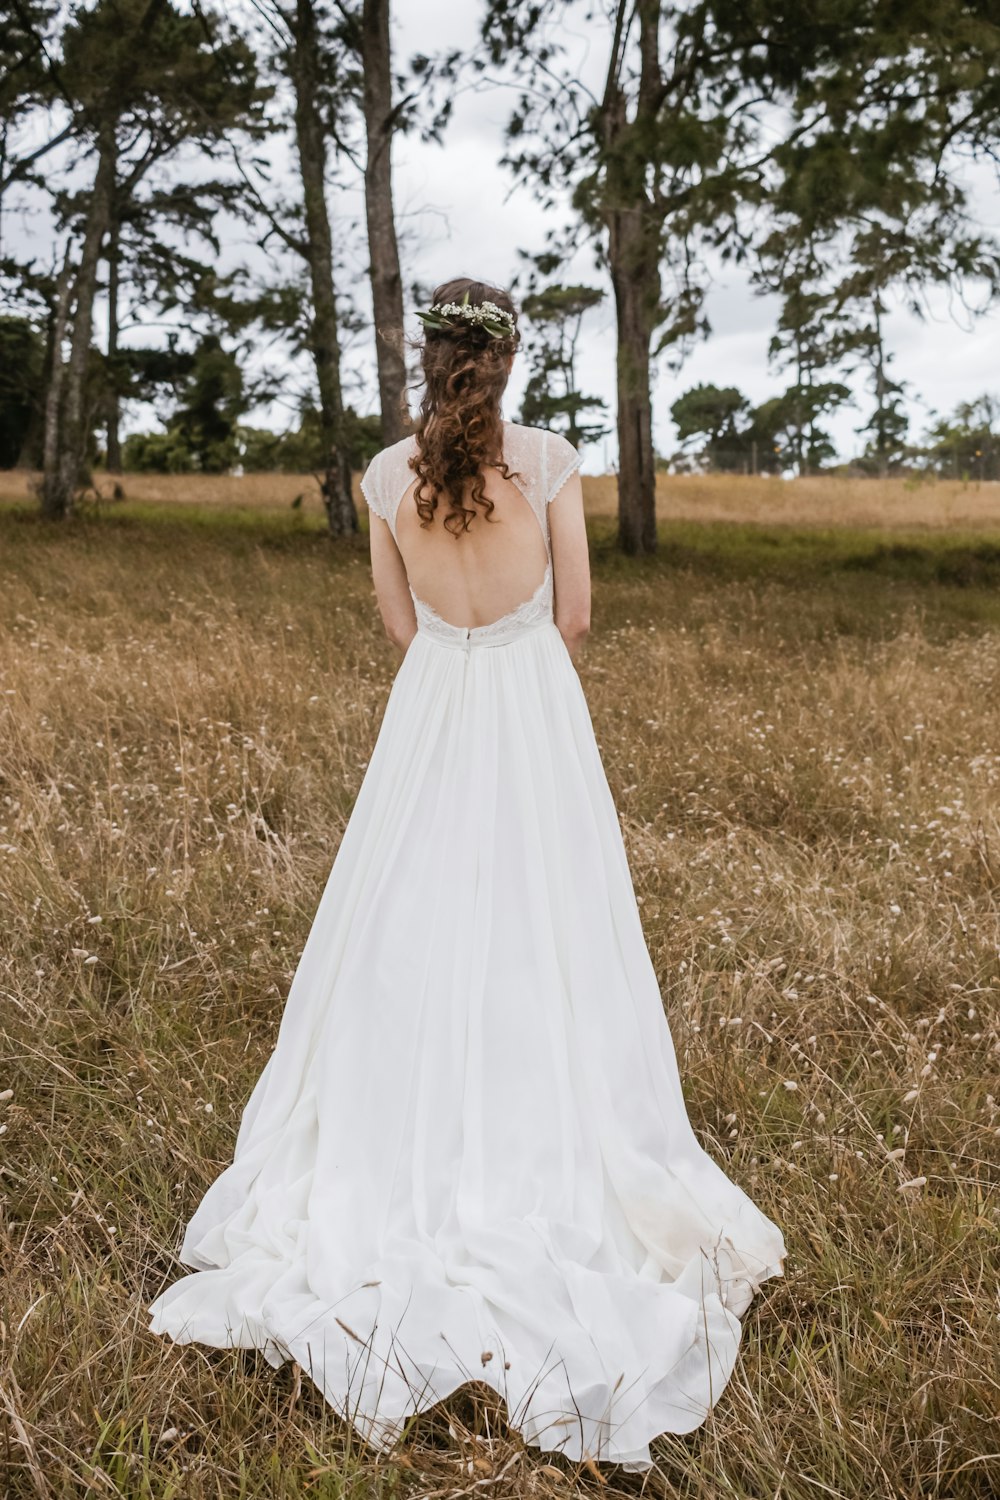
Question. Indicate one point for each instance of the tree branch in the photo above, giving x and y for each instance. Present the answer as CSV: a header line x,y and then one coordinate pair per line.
x,y
291,240
23,164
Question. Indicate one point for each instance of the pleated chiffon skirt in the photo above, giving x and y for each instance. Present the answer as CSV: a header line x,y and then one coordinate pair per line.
x,y
468,1155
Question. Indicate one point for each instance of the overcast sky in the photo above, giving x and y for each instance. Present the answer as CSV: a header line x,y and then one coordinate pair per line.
x,y
461,213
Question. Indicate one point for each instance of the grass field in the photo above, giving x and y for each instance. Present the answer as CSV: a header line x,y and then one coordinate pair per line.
x,y
801,728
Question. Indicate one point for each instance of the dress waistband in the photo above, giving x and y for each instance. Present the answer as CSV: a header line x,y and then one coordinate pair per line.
x,y
476,637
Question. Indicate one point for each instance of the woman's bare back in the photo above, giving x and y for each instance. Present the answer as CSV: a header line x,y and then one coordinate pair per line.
x,y
474,577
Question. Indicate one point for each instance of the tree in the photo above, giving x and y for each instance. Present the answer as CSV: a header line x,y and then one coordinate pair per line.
x,y
202,428
307,48
552,397
305,68
655,165
715,414
834,283
145,80
888,425
22,360
967,444
212,401
300,451
254,449
352,43
161,253
798,418
28,81
381,122
737,438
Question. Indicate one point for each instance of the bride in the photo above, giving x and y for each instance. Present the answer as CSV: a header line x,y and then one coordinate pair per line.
x,y
468,1157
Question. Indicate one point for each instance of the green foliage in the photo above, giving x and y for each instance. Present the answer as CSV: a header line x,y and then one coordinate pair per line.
x,y
201,432
798,416
719,431
136,83
157,453
255,450
26,82
769,438
967,444
554,313
22,357
866,194
712,413
212,401
300,451
889,424
171,75
362,437
148,372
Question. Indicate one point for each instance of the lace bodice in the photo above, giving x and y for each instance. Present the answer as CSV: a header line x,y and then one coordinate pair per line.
x,y
541,462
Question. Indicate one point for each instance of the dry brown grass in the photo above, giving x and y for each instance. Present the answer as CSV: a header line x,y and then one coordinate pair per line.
x,y
822,501
807,771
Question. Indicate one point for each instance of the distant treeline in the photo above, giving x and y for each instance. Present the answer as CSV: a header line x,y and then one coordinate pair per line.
x,y
719,428
721,431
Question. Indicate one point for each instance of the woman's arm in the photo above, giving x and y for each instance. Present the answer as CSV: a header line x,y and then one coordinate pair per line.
x,y
570,563
391,588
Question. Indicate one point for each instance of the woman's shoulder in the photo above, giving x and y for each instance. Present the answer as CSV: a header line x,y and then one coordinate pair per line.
x,y
387,470
385,457
543,437
553,457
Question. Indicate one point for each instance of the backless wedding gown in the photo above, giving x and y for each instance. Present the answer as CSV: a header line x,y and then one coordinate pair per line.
x,y
468,1155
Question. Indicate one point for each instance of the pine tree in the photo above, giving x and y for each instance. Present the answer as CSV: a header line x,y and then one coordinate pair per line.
x,y
145,80
22,366
717,415
554,313
28,82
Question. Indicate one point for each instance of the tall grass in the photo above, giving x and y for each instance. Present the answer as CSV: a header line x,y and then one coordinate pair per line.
x,y
803,739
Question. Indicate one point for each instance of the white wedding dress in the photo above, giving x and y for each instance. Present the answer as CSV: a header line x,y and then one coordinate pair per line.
x,y
468,1155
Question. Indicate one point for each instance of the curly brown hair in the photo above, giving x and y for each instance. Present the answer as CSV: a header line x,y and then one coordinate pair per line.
x,y
459,430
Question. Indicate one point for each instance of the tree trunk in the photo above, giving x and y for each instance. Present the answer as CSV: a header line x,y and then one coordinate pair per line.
x,y
635,223
881,434
310,138
54,391
636,461
383,251
113,393
66,436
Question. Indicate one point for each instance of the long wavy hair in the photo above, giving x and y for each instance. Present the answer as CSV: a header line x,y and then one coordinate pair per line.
x,y
459,430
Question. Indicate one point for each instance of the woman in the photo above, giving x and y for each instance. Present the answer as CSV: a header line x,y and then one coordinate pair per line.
x,y
468,1155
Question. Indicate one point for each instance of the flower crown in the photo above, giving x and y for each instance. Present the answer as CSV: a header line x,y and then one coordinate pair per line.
x,y
495,321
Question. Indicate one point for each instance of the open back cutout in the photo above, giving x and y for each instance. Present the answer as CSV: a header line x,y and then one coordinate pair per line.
x,y
478,576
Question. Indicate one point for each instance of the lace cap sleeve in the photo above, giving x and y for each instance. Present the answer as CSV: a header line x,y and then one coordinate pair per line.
x,y
371,489
561,460
387,478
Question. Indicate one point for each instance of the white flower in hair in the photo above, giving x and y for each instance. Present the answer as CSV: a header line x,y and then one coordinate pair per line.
x,y
494,320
